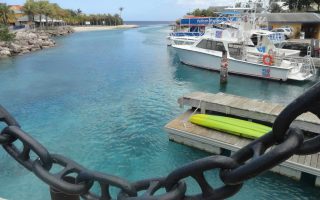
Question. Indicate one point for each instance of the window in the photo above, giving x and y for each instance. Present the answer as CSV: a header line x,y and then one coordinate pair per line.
x,y
211,45
254,39
202,44
235,50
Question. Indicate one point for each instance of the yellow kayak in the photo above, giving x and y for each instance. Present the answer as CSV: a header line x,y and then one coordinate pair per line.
x,y
231,125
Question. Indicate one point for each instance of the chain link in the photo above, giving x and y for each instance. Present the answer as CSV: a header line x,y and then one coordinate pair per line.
x,y
29,144
105,181
258,156
196,170
57,180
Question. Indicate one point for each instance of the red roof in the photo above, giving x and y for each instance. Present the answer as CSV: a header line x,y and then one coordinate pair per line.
x,y
16,7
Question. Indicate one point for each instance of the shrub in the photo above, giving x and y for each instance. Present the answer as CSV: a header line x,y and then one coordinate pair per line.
x,y
5,34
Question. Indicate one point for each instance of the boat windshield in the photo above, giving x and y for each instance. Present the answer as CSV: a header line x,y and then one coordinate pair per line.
x,y
211,45
235,50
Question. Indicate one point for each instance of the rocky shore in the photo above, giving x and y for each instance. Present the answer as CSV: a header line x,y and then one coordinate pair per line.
x,y
32,40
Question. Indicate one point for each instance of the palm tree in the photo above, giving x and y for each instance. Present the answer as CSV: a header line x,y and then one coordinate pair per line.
x,y
47,11
30,9
121,9
42,7
5,13
78,11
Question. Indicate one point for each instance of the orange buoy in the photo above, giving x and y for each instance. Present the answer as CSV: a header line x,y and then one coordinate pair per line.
x,y
267,59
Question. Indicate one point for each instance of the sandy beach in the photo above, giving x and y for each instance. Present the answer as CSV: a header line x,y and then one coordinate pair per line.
x,y
101,28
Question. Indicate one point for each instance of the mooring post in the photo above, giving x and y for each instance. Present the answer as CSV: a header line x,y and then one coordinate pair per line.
x,y
224,68
57,195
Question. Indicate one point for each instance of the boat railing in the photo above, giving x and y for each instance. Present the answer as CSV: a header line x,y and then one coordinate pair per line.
x,y
303,65
277,59
181,34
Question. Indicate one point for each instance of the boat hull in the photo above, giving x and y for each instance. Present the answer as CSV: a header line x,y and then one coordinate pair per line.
x,y
213,62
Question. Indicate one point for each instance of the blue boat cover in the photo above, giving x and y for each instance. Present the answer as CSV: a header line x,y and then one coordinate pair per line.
x,y
206,21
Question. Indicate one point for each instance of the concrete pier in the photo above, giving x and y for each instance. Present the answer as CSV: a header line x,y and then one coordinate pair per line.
x,y
180,130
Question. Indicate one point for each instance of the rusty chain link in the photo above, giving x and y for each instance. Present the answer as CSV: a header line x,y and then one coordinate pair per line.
x,y
259,156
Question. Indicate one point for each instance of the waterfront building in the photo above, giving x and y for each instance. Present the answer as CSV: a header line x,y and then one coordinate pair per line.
x,y
309,23
17,11
37,20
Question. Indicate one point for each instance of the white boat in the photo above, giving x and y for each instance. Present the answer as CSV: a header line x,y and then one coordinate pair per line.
x,y
243,59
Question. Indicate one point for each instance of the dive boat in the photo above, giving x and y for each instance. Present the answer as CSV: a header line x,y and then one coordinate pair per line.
x,y
261,61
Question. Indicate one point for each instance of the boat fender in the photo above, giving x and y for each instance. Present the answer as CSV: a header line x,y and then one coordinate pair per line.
x,y
267,59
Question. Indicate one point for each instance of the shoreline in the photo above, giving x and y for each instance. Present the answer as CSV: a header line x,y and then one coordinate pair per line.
x,y
101,28
27,41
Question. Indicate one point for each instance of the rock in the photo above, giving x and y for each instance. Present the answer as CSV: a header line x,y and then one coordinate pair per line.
x,y
4,48
22,42
25,35
44,37
36,46
46,43
5,53
26,48
15,48
24,52
32,40
35,49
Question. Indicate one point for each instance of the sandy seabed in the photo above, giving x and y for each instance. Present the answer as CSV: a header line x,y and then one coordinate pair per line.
x,y
101,28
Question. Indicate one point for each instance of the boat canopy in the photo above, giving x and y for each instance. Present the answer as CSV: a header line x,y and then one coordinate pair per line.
x,y
205,21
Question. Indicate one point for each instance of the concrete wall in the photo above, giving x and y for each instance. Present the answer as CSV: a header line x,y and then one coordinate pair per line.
x,y
317,34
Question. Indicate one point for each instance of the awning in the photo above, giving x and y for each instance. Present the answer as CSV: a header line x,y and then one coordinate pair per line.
x,y
204,21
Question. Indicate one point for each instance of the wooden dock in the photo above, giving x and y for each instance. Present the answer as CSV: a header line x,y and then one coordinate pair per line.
x,y
182,131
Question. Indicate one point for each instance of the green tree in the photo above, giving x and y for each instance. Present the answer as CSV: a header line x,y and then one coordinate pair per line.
x,y
30,9
298,5
46,10
275,8
78,11
121,9
71,17
43,9
5,13
210,12
318,3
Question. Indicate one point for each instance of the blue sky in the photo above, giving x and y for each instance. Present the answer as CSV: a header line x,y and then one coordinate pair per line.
x,y
146,10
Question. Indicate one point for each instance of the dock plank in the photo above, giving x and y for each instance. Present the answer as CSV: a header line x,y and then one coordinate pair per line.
x,y
318,162
301,159
314,159
247,108
307,161
213,141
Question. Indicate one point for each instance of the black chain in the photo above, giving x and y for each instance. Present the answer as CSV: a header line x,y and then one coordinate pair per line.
x,y
248,162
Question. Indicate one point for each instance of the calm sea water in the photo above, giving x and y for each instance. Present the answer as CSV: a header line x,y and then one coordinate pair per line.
x,y
102,98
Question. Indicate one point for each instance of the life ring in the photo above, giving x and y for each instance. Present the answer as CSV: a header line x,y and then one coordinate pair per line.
x,y
267,59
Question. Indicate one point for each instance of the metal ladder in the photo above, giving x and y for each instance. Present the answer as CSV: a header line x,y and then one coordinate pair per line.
x,y
309,63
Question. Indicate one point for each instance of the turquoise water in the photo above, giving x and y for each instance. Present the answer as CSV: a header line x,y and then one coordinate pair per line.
x,y
102,99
